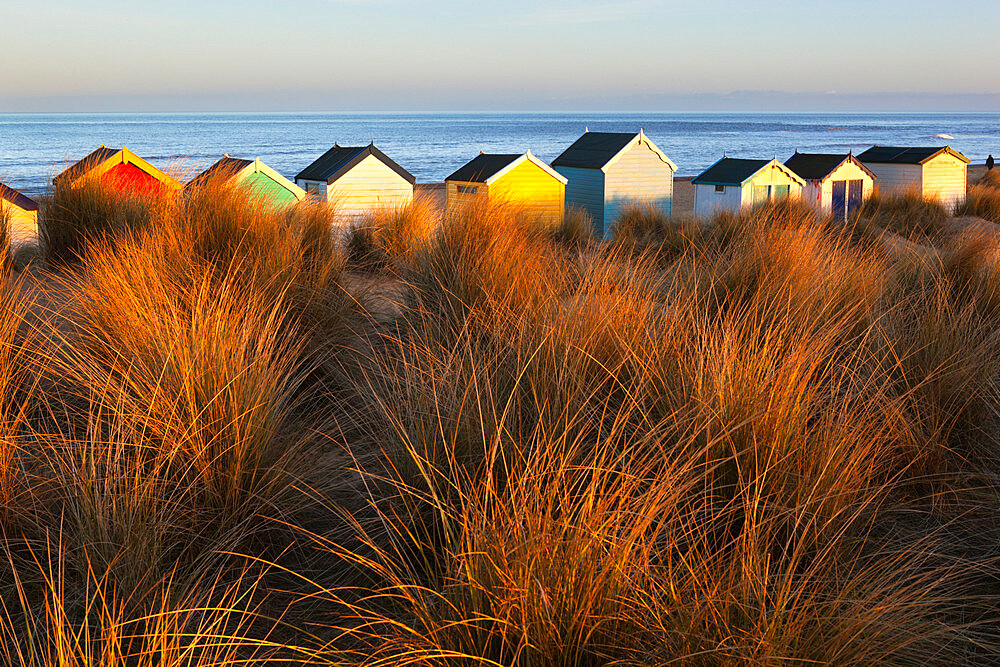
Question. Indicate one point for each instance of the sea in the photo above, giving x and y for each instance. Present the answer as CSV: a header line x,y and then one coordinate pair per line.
x,y
35,147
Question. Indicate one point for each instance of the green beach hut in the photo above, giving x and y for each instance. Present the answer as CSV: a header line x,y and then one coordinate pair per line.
x,y
256,176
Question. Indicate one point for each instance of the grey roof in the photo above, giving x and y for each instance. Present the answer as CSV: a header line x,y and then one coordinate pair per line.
x,y
228,166
729,171
482,167
339,160
17,199
87,163
904,154
815,166
594,150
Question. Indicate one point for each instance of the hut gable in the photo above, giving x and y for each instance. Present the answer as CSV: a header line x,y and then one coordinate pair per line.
x,y
126,171
608,171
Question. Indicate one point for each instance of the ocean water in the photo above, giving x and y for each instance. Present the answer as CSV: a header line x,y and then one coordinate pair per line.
x,y
34,147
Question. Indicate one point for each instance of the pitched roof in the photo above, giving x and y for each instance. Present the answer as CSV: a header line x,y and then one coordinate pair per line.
x,y
730,171
82,166
17,199
483,166
815,166
907,154
224,168
339,160
594,149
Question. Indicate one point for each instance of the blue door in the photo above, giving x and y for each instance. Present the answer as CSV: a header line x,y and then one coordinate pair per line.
x,y
838,203
855,195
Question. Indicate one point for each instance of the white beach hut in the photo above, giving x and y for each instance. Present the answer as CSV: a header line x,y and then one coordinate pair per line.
x,y
607,171
732,184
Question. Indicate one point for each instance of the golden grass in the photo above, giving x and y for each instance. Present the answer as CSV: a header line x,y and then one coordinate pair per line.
x,y
908,214
387,238
761,439
983,199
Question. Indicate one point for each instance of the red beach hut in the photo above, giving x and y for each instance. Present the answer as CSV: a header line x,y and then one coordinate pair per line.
x,y
125,171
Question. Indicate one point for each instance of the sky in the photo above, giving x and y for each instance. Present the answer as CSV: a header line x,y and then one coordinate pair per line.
x,y
513,55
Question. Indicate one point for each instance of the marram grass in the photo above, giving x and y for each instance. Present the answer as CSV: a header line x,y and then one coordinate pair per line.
x,y
760,439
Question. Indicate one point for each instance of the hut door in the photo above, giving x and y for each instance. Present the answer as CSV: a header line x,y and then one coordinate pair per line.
x,y
855,195
761,193
838,203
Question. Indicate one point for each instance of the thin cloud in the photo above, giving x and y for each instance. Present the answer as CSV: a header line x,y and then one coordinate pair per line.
x,y
606,12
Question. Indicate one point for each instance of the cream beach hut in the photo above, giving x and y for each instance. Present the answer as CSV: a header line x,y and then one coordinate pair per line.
x,y
21,213
607,171
938,173
732,184
357,180
836,183
257,177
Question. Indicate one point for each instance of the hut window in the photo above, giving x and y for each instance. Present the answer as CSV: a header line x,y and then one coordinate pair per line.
x,y
720,188
312,187
467,189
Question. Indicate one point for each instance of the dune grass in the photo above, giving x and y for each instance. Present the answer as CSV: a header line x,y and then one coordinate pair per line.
x,y
909,215
983,198
757,439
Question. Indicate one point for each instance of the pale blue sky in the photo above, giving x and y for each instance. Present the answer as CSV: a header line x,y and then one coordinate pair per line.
x,y
405,55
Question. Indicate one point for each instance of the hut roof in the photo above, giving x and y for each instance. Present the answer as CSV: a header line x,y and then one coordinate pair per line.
x,y
907,154
18,199
339,160
596,150
730,171
817,166
482,167
487,167
737,171
227,167
85,164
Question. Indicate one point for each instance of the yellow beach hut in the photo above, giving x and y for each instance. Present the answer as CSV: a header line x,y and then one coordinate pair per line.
x,y
21,213
836,183
257,177
122,169
936,172
521,180
732,184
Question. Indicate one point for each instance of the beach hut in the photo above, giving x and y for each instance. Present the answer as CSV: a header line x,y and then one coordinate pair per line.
x,y
836,183
256,176
606,171
732,184
938,173
21,213
123,169
521,180
357,180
